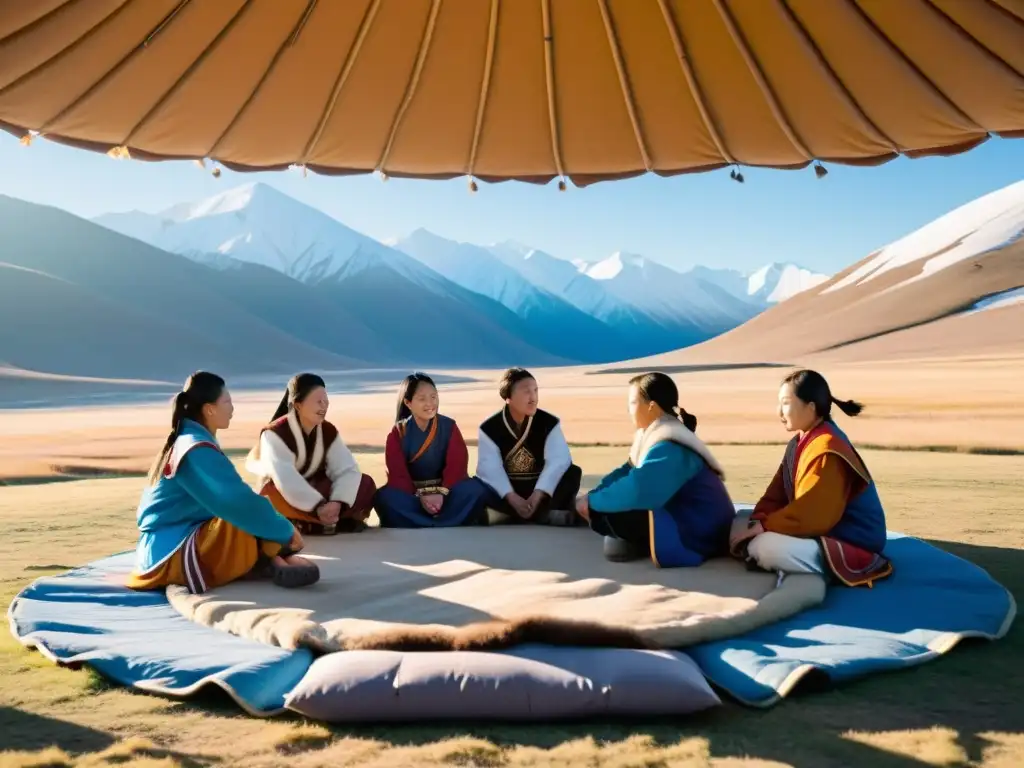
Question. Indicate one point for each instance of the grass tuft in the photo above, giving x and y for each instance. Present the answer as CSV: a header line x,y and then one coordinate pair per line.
x,y
302,738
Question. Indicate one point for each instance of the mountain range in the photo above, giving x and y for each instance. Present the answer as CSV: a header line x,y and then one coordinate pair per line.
x,y
621,307
251,281
953,286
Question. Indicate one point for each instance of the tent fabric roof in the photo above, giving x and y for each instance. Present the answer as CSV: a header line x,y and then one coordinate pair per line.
x,y
521,89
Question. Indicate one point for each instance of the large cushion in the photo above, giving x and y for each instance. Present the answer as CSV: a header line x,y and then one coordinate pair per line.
x,y
528,683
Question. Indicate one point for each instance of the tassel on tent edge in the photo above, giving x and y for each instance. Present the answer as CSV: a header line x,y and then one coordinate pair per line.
x,y
201,162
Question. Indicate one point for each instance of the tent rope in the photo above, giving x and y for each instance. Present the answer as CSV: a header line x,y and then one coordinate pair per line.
x,y
627,91
801,32
485,90
691,81
288,42
762,83
414,79
549,73
346,68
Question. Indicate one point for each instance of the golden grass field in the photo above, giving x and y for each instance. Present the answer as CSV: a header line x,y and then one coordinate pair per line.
x,y
965,405
964,709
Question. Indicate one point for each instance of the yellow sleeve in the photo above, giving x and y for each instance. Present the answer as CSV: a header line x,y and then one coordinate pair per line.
x,y
821,498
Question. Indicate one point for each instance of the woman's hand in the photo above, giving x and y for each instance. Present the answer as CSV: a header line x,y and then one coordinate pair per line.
x,y
432,503
329,512
296,543
747,534
535,501
520,505
583,507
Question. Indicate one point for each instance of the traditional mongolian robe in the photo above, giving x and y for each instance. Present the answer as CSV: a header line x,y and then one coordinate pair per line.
x,y
299,471
428,462
200,525
525,458
823,492
668,498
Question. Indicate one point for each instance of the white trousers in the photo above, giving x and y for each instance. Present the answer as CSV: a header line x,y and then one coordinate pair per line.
x,y
778,552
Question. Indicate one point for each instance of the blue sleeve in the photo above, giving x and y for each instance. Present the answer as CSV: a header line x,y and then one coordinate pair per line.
x,y
611,477
210,478
664,471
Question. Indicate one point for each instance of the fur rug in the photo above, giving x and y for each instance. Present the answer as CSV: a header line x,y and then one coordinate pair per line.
x,y
493,588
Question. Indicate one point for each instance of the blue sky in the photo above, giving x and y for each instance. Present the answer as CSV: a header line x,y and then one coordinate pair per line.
x,y
694,219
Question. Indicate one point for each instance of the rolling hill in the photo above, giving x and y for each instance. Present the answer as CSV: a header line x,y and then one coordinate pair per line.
x,y
76,298
951,287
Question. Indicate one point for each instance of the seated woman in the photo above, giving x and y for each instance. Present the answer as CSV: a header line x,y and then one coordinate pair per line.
x,y
524,460
304,466
668,501
200,525
428,465
821,511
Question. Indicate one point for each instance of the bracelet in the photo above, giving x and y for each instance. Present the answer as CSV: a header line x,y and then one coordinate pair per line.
x,y
432,490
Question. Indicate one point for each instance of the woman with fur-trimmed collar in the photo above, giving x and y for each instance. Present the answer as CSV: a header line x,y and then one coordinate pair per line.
x,y
524,460
428,465
305,468
669,501
821,513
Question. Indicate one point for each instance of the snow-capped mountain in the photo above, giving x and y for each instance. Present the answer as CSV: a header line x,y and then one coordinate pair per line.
x,y
257,225
952,287
474,268
974,230
776,282
553,321
564,278
623,306
671,297
771,284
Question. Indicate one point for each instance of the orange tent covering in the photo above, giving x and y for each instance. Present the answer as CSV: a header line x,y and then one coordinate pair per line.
x,y
514,89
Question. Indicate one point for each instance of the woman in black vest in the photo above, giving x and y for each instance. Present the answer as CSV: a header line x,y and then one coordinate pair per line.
x,y
524,460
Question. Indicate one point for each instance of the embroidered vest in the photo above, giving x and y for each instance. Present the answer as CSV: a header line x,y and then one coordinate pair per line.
x,y
863,521
522,453
426,458
310,450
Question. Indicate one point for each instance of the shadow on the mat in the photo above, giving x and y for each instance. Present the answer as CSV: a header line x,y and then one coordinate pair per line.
x,y
949,706
26,731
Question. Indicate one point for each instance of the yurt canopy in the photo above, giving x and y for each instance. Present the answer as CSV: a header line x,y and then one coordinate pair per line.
x,y
533,90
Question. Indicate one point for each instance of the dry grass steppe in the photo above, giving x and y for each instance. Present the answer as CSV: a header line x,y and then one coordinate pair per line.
x,y
961,710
